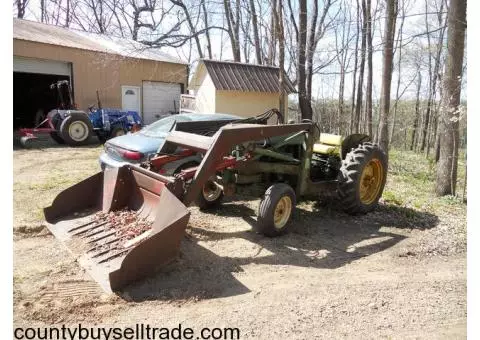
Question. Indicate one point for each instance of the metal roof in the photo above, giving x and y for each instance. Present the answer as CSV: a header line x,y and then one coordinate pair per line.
x,y
56,35
232,76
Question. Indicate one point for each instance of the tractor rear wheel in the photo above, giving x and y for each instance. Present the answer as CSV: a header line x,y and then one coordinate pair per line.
x,y
276,210
76,129
56,137
362,178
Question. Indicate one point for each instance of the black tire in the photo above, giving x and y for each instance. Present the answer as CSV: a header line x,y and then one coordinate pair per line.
x,y
117,131
101,138
185,166
350,195
210,197
202,202
84,130
266,215
56,137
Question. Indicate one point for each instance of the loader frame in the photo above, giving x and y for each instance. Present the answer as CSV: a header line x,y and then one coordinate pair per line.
x,y
217,157
238,153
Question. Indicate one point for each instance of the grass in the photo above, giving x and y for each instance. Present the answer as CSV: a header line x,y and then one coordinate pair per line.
x,y
40,174
411,183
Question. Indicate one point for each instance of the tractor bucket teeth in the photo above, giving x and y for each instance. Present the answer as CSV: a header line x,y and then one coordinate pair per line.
x,y
90,228
122,224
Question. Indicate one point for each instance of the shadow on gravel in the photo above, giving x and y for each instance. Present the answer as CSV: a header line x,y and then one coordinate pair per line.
x,y
323,238
45,141
198,274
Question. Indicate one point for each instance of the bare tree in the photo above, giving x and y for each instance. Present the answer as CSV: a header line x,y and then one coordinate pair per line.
x,y
433,72
233,24
355,67
305,106
191,25
417,111
368,98
446,178
398,47
256,36
21,6
206,24
390,20
281,55
342,56
309,37
272,35
358,105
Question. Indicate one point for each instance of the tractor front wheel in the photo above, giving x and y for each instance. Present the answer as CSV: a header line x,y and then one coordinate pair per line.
x,y
362,178
117,132
276,210
210,197
76,129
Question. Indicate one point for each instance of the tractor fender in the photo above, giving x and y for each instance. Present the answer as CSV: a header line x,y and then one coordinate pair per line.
x,y
352,141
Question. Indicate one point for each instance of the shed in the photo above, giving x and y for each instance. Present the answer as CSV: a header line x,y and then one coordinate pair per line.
x,y
126,73
237,88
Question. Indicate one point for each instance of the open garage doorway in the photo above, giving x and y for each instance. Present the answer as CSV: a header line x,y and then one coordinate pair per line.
x,y
32,96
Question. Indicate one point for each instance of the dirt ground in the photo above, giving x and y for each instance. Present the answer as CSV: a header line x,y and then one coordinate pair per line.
x,y
399,272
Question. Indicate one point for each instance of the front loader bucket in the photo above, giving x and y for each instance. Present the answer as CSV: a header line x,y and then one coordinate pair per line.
x,y
121,225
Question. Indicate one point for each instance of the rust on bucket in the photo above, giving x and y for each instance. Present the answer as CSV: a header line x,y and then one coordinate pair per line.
x,y
122,225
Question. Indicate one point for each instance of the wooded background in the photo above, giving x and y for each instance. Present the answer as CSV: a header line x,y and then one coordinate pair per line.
x,y
393,69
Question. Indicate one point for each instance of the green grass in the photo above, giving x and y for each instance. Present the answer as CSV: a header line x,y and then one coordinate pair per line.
x,y
411,183
41,174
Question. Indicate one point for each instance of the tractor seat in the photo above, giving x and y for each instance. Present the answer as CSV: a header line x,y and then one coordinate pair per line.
x,y
328,144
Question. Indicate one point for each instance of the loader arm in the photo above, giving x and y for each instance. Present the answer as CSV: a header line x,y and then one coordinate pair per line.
x,y
220,144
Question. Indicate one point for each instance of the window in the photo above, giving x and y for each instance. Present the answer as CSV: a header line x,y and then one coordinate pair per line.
x,y
161,127
129,92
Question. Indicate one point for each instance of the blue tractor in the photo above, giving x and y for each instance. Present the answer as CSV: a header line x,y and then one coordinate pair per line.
x,y
67,125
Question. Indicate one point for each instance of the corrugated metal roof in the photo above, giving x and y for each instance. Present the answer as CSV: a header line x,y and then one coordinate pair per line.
x,y
232,76
56,35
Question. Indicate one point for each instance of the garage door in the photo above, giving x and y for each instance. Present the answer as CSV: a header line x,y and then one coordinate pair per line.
x,y
159,100
41,66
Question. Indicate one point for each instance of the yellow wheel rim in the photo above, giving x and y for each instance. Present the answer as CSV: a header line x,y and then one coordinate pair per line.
x,y
282,212
371,181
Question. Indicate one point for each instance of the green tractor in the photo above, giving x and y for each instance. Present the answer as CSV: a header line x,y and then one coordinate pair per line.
x,y
291,161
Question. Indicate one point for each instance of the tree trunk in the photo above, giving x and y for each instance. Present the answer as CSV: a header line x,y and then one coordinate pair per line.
x,y
233,33
368,99
417,110
256,36
399,65
358,106
273,37
311,49
42,10
449,116
436,71
390,19
21,5
281,58
355,66
433,78
342,61
207,34
305,107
